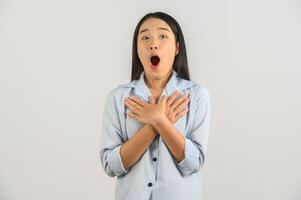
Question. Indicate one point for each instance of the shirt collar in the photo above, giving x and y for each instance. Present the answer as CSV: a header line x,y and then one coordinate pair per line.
x,y
143,91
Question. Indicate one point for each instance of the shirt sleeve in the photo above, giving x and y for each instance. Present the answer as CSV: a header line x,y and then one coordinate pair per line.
x,y
111,139
196,141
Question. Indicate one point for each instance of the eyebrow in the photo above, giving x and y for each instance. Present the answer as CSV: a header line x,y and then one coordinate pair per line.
x,y
159,28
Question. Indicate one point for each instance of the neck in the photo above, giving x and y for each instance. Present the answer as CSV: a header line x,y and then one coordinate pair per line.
x,y
157,84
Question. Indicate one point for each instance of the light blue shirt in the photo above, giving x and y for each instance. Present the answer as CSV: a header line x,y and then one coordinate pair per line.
x,y
156,175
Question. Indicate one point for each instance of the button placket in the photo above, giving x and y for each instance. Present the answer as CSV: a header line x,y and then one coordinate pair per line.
x,y
155,148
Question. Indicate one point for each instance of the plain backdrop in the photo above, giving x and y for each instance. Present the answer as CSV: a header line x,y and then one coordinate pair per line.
x,y
59,59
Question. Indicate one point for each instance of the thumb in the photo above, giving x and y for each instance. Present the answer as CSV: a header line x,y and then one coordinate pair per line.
x,y
152,99
163,99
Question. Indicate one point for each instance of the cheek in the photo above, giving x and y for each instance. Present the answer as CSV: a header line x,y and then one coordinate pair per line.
x,y
143,56
169,48
170,54
140,52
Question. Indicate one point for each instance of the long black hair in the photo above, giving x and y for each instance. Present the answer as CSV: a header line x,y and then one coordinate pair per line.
x,y
180,64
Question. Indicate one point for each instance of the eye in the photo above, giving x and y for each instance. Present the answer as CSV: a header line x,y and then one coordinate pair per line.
x,y
163,36
144,38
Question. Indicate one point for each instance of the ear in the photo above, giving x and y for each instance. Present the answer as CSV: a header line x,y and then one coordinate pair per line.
x,y
177,48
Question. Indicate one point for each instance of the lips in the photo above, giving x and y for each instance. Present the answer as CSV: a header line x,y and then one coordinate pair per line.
x,y
155,59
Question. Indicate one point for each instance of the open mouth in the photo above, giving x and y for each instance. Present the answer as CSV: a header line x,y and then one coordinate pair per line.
x,y
155,60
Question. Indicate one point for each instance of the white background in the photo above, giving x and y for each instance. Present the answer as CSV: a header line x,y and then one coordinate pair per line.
x,y
59,58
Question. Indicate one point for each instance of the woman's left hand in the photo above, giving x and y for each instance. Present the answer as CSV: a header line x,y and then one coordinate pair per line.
x,y
147,113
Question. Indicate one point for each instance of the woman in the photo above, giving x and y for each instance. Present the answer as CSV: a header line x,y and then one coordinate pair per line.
x,y
154,138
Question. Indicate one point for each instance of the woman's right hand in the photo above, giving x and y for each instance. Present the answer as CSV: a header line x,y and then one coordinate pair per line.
x,y
176,107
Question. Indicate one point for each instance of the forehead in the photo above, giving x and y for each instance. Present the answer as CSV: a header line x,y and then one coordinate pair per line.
x,y
153,24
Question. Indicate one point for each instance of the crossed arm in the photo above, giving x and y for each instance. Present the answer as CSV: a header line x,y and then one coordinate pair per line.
x,y
134,148
117,155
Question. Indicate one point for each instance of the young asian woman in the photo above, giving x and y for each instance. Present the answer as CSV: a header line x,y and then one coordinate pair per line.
x,y
155,129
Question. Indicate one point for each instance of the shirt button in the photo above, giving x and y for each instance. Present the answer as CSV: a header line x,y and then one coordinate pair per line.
x,y
149,184
155,159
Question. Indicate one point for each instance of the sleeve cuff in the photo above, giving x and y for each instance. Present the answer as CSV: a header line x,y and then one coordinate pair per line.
x,y
191,162
116,161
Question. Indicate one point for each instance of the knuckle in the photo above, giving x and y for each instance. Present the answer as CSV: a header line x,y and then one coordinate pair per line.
x,y
177,102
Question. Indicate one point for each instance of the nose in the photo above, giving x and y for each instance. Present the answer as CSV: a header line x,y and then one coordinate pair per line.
x,y
154,46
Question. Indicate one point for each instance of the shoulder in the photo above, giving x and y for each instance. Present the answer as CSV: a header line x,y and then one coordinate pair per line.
x,y
121,90
199,89
202,94
202,90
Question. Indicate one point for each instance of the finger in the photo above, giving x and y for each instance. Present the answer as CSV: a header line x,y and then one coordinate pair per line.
x,y
181,114
181,106
172,97
152,99
163,99
186,93
178,101
132,115
136,117
137,100
132,106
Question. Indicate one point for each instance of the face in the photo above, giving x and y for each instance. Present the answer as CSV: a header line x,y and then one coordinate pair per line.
x,y
155,38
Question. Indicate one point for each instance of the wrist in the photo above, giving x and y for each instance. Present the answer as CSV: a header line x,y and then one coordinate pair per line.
x,y
159,120
152,129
